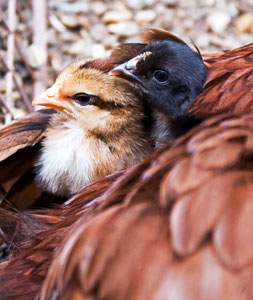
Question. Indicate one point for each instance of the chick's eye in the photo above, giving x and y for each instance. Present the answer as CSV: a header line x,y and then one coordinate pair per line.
x,y
161,76
82,99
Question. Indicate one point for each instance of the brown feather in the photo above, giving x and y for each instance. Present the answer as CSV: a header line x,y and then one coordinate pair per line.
x,y
19,145
176,226
100,64
229,87
125,52
154,35
200,221
152,244
27,131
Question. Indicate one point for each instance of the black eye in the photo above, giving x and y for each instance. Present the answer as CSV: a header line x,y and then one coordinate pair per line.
x,y
161,76
82,99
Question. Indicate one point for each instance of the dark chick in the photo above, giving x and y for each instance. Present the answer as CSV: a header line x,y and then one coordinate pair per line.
x,y
167,73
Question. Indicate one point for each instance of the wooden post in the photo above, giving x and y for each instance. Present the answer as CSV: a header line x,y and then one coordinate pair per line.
x,y
10,56
40,41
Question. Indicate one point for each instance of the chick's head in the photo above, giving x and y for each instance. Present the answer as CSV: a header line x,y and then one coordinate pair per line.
x,y
100,128
167,72
91,97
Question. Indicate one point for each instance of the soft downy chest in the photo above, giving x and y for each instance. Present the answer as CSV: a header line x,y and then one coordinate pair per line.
x,y
65,164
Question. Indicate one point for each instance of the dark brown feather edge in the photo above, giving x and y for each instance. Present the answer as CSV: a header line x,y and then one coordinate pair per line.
x,y
153,35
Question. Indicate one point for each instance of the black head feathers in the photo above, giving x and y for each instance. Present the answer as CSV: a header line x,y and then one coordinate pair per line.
x,y
167,72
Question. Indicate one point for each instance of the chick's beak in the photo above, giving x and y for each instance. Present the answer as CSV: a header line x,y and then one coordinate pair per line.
x,y
52,98
127,70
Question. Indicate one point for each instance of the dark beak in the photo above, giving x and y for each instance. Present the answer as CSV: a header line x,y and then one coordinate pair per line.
x,y
126,71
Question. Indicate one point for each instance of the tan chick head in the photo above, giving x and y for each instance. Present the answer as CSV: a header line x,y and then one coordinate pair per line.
x,y
100,128
90,96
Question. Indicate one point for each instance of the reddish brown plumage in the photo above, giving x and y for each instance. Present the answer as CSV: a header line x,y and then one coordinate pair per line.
x,y
229,86
19,144
154,35
177,234
20,134
42,232
177,226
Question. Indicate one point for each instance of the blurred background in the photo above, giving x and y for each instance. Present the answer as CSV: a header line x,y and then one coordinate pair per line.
x,y
38,38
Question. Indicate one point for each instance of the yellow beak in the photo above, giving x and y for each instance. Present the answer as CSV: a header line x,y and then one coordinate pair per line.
x,y
52,98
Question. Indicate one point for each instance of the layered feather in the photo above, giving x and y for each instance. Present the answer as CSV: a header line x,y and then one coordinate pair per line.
x,y
229,85
177,225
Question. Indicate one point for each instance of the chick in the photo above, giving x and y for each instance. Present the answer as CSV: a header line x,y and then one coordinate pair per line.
x,y
169,75
99,128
